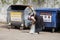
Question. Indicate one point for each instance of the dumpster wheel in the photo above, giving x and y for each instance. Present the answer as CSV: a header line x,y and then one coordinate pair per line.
x,y
11,27
53,30
21,28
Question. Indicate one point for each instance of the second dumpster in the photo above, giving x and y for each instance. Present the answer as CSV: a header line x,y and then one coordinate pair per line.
x,y
49,16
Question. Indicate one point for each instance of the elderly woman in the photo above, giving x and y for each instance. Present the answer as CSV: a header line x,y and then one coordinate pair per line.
x,y
36,20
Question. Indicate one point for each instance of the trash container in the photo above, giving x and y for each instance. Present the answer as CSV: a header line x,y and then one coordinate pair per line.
x,y
49,16
17,15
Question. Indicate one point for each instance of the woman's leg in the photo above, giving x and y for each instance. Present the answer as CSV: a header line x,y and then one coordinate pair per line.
x,y
32,30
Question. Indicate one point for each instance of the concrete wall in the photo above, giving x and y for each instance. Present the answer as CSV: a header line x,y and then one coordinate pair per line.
x,y
47,4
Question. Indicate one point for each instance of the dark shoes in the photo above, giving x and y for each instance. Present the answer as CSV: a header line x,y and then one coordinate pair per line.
x,y
38,32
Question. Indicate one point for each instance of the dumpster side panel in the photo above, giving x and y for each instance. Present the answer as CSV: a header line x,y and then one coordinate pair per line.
x,y
54,19
48,22
37,12
47,18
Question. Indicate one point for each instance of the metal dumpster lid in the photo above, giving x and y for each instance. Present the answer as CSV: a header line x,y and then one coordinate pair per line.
x,y
19,7
47,9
